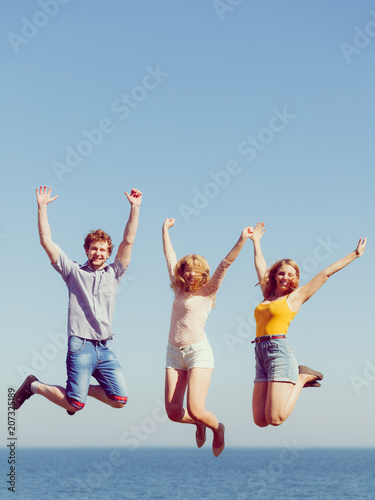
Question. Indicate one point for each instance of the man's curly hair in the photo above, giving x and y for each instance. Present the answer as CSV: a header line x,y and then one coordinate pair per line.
x,y
96,235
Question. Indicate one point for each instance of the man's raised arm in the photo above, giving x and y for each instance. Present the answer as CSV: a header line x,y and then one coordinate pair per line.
x,y
126,246
43,198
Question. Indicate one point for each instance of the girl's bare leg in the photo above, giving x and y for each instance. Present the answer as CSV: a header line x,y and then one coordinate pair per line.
x,y
282,398
197,380
198,384
259,403
175,387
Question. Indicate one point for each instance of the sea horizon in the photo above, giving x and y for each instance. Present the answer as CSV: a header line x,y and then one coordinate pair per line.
x,y
181,473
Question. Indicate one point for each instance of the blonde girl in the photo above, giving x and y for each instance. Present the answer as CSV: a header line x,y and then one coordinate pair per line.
x,y
189,361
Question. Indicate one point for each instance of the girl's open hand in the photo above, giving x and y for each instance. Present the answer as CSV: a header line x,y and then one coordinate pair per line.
x,y
361,247
258,232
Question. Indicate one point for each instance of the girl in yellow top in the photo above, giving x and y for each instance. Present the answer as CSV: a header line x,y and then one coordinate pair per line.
x,y
279,380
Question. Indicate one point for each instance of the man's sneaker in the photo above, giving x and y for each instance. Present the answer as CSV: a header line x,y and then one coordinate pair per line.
x,y
24,392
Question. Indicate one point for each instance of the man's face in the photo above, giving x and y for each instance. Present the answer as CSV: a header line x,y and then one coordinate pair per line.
x,y
97,254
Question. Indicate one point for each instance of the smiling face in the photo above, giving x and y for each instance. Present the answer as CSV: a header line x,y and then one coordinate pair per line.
x,y
281,278
190,275
97,254
285,278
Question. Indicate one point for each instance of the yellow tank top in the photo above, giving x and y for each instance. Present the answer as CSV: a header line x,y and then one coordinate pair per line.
x,y
273,318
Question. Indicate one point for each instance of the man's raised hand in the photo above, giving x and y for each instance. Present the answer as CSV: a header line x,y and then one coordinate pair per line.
x,y
43,197
135,197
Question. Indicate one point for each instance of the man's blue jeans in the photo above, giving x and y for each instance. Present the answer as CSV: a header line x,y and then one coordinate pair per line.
x,y
95,358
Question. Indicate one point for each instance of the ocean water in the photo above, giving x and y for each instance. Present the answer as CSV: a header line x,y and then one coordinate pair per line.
x,y
190,474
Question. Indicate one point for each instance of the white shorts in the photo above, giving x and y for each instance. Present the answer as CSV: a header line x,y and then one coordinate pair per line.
x,y
197,355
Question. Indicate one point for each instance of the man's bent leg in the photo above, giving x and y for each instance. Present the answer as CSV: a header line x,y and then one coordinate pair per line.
x,y
108,373
57,395
80,363
53,393
97,392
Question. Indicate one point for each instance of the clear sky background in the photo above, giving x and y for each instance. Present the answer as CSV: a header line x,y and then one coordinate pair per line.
x,y
99,97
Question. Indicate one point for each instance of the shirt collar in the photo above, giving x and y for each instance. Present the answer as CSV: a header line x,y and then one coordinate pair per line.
x,y
87,266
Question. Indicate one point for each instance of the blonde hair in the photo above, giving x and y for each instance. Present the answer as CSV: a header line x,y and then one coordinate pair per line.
x,y
200,266
269,279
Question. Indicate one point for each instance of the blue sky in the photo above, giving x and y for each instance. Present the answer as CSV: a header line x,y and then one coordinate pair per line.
x,y
223,114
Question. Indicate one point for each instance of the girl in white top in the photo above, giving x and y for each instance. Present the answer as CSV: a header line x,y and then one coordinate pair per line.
x,y
189,355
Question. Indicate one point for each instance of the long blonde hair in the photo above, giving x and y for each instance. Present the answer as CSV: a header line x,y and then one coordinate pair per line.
x,y
199,264
269,280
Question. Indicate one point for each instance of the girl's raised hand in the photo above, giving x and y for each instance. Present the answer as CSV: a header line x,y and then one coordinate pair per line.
x,y
361,247
258,231
247,232
168,223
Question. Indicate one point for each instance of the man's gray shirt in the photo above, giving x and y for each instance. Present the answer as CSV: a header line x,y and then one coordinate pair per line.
x,y
92,297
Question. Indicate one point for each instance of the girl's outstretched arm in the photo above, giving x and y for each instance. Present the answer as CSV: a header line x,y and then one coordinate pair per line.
x,y
302,294
215,282
259,260
167,244
245,235
169,253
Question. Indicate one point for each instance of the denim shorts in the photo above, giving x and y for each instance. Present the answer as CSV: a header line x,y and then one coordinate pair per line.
x,y
197,355
88,358
275,361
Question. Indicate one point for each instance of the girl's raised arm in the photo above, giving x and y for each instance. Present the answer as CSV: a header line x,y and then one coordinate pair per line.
x,y
302,294
215,282
259,260
169,252
245,235
167,244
